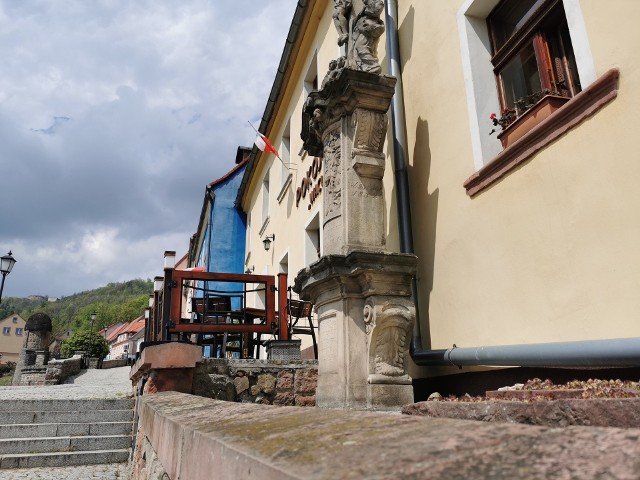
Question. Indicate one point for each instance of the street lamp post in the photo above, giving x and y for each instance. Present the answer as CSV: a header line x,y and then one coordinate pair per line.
x,y
93,319
6,264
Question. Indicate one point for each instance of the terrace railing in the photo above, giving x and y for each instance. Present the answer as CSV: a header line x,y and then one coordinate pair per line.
x,y
202,303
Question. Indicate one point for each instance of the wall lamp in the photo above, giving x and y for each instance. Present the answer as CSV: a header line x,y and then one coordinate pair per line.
x,y
6,264
267,241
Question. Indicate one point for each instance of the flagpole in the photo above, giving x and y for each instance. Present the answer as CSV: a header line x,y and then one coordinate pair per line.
x,y
276,152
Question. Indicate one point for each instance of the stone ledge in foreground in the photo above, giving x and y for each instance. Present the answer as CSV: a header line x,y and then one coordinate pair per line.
x,y
605,412
195,436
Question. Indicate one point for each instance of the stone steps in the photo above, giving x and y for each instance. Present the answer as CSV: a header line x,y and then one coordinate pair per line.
x,y
36,430
64,444
63,459
61,432
94,416
65,405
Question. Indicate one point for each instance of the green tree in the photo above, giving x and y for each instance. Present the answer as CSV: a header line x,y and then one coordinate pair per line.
x,y
90,342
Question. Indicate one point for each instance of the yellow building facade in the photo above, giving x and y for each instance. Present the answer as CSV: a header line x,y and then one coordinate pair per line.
x,y
12,335
530,243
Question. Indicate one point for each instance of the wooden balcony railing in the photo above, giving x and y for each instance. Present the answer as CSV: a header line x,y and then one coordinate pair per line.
x,y
219,304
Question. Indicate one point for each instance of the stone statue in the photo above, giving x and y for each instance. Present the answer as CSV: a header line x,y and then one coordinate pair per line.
x,y
341,14
335,69
367,30
361,35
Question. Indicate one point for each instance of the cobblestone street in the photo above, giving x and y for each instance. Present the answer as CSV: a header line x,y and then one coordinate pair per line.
x,y
109,383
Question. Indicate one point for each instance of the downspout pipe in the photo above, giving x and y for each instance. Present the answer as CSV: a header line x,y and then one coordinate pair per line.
x,y
622,352
398,122
399,131
619,352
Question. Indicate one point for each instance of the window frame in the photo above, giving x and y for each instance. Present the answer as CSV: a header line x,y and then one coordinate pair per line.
x,y
6,330
544,33
265,200
313,238
286,160
490,160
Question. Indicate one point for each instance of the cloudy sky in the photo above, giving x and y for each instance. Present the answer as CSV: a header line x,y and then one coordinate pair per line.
x,y
114,115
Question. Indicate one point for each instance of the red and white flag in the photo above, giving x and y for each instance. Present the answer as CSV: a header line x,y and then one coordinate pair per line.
x,y
264,144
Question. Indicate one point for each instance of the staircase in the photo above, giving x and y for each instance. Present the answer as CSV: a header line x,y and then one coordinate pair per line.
x,y
55,433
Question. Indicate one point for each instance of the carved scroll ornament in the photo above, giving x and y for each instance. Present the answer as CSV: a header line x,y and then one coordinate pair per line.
x,y
370,130
388,327
332,175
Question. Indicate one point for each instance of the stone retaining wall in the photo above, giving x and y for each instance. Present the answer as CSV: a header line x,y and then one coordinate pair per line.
x,y
120,362
179,367
59,370
183,436
53,373
270,382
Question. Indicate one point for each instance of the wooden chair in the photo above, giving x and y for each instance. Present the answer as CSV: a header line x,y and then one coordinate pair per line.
x,y
215,309
297,310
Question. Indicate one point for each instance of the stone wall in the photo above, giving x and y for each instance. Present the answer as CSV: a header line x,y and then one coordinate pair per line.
x,y
53,373
120,362
59,370
269,382
183,436
146,465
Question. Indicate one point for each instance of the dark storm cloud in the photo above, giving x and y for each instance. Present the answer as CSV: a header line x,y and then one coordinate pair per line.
x,y
113,117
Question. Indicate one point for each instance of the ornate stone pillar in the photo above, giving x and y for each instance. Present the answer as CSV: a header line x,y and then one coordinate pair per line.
x,y
362,293
365,315
346,124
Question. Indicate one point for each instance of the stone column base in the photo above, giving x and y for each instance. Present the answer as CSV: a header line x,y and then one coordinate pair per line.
x,y
365,317
388,397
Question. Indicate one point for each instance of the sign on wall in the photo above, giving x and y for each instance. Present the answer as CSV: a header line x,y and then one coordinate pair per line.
x,y
311,184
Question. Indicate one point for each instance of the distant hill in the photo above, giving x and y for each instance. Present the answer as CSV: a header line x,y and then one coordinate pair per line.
x,y
112,303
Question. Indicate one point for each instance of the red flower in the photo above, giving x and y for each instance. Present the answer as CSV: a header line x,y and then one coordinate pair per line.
x,y
493,115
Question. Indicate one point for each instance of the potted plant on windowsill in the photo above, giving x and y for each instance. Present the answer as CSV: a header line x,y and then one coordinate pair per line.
x,y
529,112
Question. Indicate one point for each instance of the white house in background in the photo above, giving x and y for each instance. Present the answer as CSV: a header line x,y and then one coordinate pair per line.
x,y
123,342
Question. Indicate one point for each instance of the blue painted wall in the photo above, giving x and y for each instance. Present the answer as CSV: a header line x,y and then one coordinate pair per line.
x,y
222,247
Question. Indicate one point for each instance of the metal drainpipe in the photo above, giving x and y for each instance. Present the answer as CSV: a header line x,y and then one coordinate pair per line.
x,y
619,352
623,352
399,158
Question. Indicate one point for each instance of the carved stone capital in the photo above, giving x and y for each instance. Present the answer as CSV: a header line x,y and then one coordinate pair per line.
x,y
350,90
367,274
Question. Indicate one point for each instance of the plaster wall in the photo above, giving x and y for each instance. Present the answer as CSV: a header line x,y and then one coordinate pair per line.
x,y
11,343
548,252
292,217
